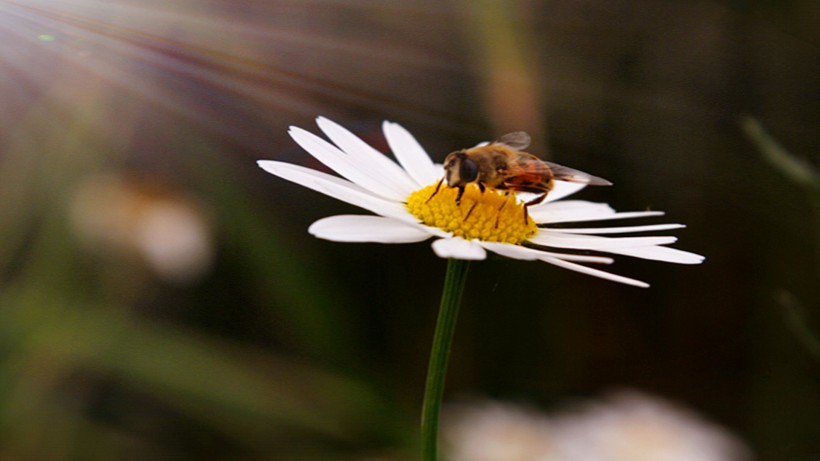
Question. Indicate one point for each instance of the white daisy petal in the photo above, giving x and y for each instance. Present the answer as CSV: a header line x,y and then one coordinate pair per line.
x,y
620,230
590,242
579,211
633,214
410,154
364,154
592,217
531,254
356,228
659,253
335,187
361,173
510,251
568,211
595,272
563,189
579,258
458,248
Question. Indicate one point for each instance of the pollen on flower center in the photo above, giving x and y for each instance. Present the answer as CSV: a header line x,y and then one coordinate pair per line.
x,y
492,215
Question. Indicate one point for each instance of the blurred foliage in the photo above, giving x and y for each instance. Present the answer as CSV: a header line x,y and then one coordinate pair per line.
x,y
91,370
803,174
800,325
796,169
281,346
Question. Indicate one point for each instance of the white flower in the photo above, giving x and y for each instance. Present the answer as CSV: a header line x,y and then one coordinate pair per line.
x,y
400,196
494,431
624,426
129,220
632,426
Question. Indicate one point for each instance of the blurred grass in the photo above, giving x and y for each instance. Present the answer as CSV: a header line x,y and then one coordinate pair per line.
x,y
797,320
802,174
795,169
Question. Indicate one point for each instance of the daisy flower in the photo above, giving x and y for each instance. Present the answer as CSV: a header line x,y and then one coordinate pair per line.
x,y
408,209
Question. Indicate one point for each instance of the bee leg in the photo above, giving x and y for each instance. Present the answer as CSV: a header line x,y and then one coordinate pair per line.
x,y
471,211
498,215
534,201
507,199
460,193
438,186
481,187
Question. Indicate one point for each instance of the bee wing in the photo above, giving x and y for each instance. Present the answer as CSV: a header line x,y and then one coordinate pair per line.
x,y
518,140
562,173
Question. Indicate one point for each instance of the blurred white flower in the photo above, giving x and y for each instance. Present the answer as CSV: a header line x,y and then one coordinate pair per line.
x,y
491,431
626,426
167,232
632,426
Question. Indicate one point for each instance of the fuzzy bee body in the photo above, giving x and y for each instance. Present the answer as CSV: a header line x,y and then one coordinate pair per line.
x,y
504,165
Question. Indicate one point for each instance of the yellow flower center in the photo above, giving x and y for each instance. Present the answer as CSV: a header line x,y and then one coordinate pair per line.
x,y
492,215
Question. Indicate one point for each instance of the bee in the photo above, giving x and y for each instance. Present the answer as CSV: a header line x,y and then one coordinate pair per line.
x,y
504,165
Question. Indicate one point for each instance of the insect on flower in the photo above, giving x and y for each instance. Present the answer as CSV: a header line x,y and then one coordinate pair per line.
x,y
504,165
409,205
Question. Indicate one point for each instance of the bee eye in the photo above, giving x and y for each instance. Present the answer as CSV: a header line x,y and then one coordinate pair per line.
x,y
467,170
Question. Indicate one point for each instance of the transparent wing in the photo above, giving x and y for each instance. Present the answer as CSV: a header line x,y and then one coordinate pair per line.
x,y
562,173
518,140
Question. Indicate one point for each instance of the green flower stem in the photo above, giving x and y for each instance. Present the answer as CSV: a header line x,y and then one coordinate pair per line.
x,y
440,354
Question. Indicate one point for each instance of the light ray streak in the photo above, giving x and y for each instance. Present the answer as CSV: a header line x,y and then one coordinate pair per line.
x,y
151,62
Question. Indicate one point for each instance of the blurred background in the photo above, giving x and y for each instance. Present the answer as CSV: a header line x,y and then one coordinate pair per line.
x,y
161,299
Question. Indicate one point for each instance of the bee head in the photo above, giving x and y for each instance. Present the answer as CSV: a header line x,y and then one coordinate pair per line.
x,y
460,169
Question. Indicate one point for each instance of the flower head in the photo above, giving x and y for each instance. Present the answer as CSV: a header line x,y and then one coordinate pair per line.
x,y
411,205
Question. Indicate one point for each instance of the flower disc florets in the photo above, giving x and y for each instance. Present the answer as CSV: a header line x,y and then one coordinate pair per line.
x,y
490,216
